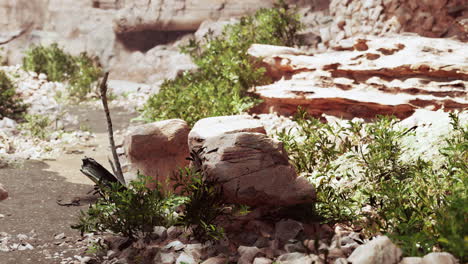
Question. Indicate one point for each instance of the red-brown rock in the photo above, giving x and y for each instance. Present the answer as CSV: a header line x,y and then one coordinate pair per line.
x,y
157,149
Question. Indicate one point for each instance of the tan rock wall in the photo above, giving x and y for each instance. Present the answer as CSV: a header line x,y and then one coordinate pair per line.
x,y
430,18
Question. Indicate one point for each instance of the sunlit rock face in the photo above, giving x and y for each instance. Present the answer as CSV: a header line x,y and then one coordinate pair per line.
x,y
365,77
439,18
157,150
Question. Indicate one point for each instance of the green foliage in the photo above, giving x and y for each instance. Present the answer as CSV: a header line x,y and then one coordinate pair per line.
x,y
52,61
80,71
36,125
131,212
134,211
225,70
204,204
363,173
11,106
86,74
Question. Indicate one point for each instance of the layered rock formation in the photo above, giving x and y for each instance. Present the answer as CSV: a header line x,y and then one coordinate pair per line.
x,y
366,77
254,170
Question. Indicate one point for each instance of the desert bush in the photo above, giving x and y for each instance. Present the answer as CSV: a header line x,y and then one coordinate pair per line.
x,y
366,174
225,71
130,212
36,125
203,206
11,105
133,212
81,72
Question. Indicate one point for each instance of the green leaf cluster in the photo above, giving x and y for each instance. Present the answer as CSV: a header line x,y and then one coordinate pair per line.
x,y
225,71
131,212
203,206
11,105
80,71
363,174
36,125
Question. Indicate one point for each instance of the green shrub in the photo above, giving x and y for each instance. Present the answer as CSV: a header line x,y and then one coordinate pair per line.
x,y
131,212
203,206
11,105
225,71
36,125
366,174
80,71
52,61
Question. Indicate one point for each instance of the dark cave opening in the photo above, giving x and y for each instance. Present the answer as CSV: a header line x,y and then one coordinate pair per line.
x,y
148,39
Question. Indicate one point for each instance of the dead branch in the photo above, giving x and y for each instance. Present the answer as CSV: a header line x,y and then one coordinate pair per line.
x,y
103,89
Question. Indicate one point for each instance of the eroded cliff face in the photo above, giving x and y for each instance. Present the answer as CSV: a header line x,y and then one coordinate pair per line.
x,y
135,39
435,18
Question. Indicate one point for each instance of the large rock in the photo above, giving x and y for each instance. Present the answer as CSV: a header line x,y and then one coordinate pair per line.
x,y
379,250
366,77
254,170
220,125
157,149
3,193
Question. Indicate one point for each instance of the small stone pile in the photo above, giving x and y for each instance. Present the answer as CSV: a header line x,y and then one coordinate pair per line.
x,y
261,242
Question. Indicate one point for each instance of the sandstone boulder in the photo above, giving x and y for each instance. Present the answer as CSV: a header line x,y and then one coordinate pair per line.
x,y
219,125
3,193
254,170
157,149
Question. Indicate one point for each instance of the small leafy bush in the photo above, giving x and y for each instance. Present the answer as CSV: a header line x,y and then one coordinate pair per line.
x,y
203,206
36,125
11,105
131,212
80,71
364,173
225,71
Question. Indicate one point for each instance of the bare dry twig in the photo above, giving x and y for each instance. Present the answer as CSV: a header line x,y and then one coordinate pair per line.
x,y
103,89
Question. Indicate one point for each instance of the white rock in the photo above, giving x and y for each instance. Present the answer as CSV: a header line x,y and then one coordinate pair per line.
x,y
185,258
175,245
262,260
8,123
165,258
216,126
297,258
379,250
247,254
42,76
439,258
